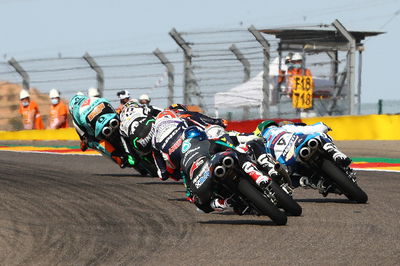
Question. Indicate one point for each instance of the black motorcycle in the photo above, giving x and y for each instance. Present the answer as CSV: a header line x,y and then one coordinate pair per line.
x,y
137,129
227,180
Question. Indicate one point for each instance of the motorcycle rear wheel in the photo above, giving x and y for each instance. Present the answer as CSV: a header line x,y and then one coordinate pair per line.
x,y
261,203
285,201
352,191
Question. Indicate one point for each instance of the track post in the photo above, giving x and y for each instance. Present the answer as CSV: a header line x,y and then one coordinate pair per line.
x,y
170,70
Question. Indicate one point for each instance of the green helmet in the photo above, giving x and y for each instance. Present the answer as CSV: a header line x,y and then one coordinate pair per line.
x,y
264,125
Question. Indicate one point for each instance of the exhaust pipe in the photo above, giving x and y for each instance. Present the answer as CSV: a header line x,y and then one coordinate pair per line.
x,y
107,131
219,171
313,143
114,123
228,162
305,152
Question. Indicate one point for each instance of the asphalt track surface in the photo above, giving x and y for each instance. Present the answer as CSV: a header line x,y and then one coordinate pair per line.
x,y
84,210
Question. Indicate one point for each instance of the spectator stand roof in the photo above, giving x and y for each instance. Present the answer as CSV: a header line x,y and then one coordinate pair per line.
x,y
321,37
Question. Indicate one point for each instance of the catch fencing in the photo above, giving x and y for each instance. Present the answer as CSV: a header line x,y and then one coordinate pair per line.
x,y
206,65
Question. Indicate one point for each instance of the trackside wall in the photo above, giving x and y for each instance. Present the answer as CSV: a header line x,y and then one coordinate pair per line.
x,y
366,127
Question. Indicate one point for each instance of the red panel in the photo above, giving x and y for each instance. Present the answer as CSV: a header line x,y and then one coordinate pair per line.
x,y
248,126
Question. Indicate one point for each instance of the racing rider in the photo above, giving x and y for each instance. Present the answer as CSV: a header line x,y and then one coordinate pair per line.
x,y
97,125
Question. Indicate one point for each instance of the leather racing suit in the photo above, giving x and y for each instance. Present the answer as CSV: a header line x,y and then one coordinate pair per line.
x,y
90,117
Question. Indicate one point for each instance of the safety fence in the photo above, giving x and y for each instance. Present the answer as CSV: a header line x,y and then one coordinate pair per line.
x,y
232,73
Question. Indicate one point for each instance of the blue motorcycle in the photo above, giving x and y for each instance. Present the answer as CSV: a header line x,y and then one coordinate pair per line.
x,y
313,161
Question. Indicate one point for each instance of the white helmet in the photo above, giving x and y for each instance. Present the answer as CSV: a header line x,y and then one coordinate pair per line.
x,y
23,94
123,94
144,97
93,92
80,93
54,93
297,57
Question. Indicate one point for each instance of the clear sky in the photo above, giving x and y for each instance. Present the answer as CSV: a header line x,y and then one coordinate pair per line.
x,y
38,28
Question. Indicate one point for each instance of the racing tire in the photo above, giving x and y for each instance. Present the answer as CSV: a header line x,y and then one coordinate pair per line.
x,y
142,171
150,168
352,191
261,203
285,201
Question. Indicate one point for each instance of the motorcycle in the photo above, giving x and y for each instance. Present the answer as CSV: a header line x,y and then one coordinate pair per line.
x,y
280,192
220,166
311,164
231,182
137,129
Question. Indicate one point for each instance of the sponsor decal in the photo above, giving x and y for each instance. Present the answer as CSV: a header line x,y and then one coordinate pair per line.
x,y
97,110
195,165
86,102
189,159
175,146
186,145
165,136
278,137
289,145
202,179
186,157
147,139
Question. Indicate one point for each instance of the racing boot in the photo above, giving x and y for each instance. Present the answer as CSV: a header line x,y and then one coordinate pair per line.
x,y
337,155
268,163
256,175
220,205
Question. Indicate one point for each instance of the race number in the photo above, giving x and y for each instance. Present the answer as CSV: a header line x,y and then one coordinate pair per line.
x,y
302,92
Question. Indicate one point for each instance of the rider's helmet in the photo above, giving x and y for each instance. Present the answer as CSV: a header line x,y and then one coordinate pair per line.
x,y
285,122
194,132
263,126
178,107
123,95
93,92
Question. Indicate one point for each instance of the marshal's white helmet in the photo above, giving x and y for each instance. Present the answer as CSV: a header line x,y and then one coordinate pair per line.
x,y
144,97
23,94
54,93
93,92
297,57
